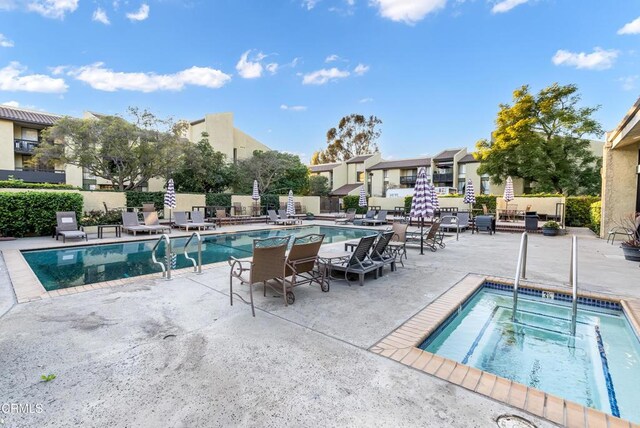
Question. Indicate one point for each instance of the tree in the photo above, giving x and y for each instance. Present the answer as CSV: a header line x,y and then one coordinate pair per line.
x,y
276,172
319,185
355,135
543,139
202,169
127,154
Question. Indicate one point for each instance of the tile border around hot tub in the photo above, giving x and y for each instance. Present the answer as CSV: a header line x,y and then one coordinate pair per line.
x,y
402,345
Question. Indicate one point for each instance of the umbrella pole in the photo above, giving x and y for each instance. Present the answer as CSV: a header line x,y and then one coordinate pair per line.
x,y
421,236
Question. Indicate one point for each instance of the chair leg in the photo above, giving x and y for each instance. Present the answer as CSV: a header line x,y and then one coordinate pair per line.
x,y
231,289
361,279
253,311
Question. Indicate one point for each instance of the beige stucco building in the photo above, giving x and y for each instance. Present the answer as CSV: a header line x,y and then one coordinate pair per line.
x,y
621,171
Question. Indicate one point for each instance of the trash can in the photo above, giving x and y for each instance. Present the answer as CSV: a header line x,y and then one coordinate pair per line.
x,y
531,221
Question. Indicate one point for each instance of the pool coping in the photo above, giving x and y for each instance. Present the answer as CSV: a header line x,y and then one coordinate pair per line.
x,y
402,344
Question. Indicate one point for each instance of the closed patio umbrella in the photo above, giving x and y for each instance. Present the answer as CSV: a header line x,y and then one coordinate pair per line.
x,y
422,202
362,202
255,195
508,194
170,197
469,196
291,209
435,202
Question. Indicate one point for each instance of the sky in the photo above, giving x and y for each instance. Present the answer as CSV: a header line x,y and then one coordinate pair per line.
x,y
434,71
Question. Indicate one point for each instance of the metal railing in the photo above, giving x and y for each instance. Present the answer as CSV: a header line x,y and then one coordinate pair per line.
x,y
573,280
521,271
166,266
24,146
197,266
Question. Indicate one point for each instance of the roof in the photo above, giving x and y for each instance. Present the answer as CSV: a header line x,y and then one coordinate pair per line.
x,y
359,159
346,189
446,154
401,163
28,116
627,128
323,167
468,158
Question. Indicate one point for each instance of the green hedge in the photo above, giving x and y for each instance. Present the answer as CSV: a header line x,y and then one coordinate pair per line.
x,y
579,210
270,201
136,199
596,215
19,184
351,201
27,213
218,199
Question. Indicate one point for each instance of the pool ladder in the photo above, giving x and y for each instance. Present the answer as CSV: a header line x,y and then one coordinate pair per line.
x,y
166,266
197,266
521,272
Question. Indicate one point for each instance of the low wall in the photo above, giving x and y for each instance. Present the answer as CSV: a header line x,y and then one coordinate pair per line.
x,y
184,202
540,205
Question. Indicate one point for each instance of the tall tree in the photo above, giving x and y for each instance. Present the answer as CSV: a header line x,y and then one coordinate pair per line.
x,y
202,169
543,139
128,154
276,172
355,135
319,185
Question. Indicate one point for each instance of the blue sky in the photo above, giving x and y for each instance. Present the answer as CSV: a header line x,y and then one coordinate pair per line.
x,y
434,71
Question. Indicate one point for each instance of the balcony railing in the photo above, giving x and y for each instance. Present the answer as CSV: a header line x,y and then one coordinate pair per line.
x,y
443,178
25,146
408,179
34,175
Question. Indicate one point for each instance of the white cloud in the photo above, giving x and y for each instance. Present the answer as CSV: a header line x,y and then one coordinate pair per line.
x,y
309,4
272,67
104,79
292,108
250,68
361,69
100,15
5,42
320,77
632,27
58,70
11,104
629,83
331,58
599,59
366,100
55,9
506,5
141,14
407,11
12,78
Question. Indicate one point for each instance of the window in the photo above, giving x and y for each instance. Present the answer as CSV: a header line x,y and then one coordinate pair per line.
x,y
485,188
461,185
29,134
385,175
462,169
360,176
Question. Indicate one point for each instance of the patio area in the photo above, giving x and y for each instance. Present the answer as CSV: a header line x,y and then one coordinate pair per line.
x,y
174,353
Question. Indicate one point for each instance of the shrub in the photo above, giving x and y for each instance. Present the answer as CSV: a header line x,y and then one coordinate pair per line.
x,y
596,215
20,184
96,217
24,213
551,225
218,199
270,201
351,201
579,210
136,199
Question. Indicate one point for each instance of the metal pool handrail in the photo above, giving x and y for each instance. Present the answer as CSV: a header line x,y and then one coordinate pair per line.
x,y
197,267
521,271
573,280
166,267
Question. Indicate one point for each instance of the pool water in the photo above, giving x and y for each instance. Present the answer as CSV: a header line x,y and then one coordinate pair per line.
x,y
598,368
71,267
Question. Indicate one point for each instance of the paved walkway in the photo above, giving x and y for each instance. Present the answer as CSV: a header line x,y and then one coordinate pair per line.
x,y
174,353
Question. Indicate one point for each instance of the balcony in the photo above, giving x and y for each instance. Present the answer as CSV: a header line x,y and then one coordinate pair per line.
x,y
35,175
443,177
409,180
25,147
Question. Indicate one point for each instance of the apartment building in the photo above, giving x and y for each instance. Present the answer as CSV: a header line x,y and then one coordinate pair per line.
x,y
21,129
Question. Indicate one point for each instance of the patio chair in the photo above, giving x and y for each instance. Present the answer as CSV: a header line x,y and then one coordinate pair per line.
x,y
130,224
282,214
300,266
625,231
298,207
197,220
380,253
368,216
433,237
67,226
348,218
180,220
360,262
448,223
381,218
238,209
275,219
148,207
398,243
221,216
152,222
268,263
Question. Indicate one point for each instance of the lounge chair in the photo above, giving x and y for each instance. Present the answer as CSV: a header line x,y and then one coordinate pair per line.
x,y
380,251
267,263
67,226
300,266
148,207
180,220
130,224
369,216
292,220
398,243
350,215
449,222
197,220
381,218
433,238
360,262
151,221
275,219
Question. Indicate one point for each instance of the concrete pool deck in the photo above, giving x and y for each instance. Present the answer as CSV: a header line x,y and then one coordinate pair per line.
x,y
174,353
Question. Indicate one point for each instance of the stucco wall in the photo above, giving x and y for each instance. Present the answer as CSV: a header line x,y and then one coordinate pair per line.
x,y
184,202
540,205
246,145
619,185
6,145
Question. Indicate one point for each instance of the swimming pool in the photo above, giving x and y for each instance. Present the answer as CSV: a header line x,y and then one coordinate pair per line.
x,y
70,267
598,368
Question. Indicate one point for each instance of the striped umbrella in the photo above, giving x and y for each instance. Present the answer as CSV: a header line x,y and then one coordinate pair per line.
x,y
255,195
435,202
508,191
170,197
469,195
422,202
291,209
362,202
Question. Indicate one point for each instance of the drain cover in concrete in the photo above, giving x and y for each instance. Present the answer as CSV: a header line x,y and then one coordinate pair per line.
x,y
512,421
